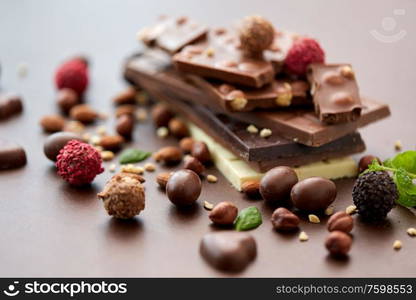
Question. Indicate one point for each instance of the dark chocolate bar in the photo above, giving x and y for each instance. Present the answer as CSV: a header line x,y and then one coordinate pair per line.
x,y
335,93
172,34
262,154
219,57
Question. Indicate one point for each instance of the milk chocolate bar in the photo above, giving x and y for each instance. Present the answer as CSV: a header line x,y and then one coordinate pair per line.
x,y
279,93
172,34
335,93
262,154
219,57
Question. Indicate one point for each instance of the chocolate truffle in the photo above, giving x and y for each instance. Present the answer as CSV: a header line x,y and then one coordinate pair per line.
x,y
313,194
276,184
256,35
183,187
55,142
123,195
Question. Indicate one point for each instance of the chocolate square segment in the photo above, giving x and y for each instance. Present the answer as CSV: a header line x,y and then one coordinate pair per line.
x,y
220,58
335,93
172,34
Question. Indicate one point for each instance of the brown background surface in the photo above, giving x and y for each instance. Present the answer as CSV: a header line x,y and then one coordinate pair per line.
x,y
50,229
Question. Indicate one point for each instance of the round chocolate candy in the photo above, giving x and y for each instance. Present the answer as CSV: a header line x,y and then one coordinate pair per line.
x,y
276,184
313,194
183,187
55,142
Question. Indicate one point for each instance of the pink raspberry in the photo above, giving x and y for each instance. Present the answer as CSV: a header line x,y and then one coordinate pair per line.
x,y
303,52
78,163
72,74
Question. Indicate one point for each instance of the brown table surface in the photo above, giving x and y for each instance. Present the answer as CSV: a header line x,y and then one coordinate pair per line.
x,y
50,229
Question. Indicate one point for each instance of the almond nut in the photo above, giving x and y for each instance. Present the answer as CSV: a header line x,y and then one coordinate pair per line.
x,y
111,142
168,155
162,179
83,113
125,109
52,123
125,97
161,115
251,188
186,144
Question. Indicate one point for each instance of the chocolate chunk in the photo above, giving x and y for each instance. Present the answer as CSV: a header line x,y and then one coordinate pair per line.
x,y
10,105
55,142
335,93
221,58
228,250
172,34
11,155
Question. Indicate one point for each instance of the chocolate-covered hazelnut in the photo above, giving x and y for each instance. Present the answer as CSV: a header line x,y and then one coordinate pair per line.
x,y
224,213
338,243
276,184
125,126
55,142
183,187
67,99
186,144
178,128
340,221
365,161
256,35
161,115
193,164
284,220
313,194
201,152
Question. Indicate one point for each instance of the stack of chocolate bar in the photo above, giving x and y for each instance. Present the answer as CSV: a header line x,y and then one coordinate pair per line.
x,y
258,97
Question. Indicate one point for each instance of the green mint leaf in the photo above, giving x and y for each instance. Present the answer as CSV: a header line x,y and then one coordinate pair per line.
x,y
248,218
406,188
405,160
374,166
129,156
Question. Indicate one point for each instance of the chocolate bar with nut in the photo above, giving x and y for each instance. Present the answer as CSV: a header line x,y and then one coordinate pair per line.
x,y
172,34
220,57
335,93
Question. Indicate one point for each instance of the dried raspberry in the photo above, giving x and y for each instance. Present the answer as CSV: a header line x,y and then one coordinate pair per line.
x,y
72,74
303,52
78,163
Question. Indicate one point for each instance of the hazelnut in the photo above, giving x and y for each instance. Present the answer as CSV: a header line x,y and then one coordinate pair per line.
x,y
162,180
365,161
338,243
193,164
201,152
125,109
52,123
83,113
67,99
224,213
186,144
127,96
168,155
125,126
178,128
111,142
256,35
284,220
161,115
340,221
251,188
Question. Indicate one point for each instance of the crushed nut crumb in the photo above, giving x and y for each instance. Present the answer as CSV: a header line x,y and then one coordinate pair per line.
x,y
162,132
141,114
411,231
208,206
132,169
303,237
397,245
252,129
149,167
107,155
352,209
314,219
398,145
265,133
212,179
329,211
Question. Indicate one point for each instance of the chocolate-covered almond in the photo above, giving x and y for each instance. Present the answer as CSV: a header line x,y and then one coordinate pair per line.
x,y
55,142
313,194
183,187
276,184
11,155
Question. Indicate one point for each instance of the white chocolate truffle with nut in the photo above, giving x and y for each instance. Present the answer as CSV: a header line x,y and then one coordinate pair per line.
x,y
123,195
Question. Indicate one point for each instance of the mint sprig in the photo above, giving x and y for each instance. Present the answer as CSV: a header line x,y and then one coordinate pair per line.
x,y
403,170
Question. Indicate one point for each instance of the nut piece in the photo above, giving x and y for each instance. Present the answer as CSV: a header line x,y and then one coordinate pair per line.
x,y
338,243
251,188
193,164
398,145
178,128
162,179
208,205
224,213
284,220
125,109
141,114
303,237
411,231
365,161
329,211
149,167
74,126
340,221
252,129
161,115
83,113
67,99
200,151
52,123
168,155
186,144
111,142
107,155
212,178
162,132
125,97
130,168
265,133
125,126
351,209
397,245
256,35
314,219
